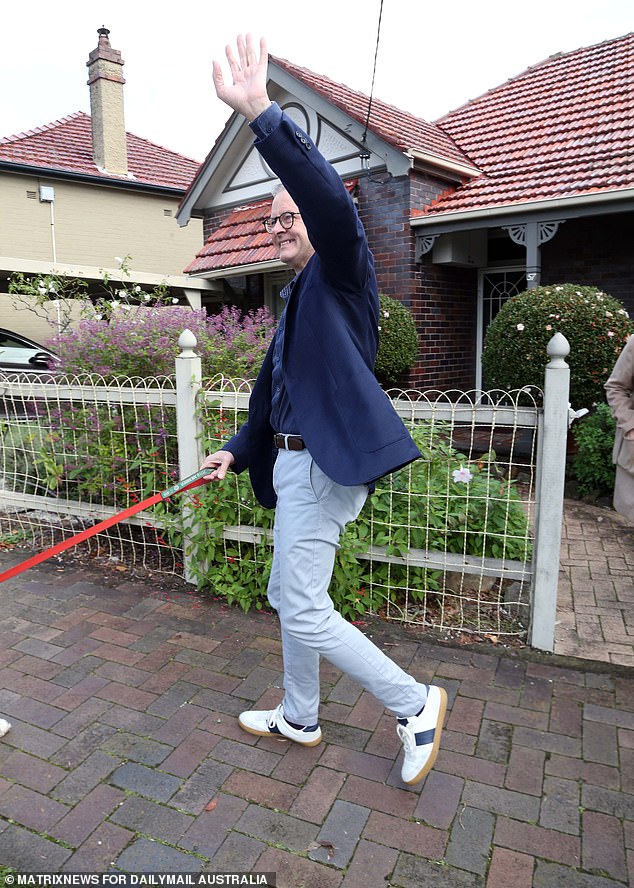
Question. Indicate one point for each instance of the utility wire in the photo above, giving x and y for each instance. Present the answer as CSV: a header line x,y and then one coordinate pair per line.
x,y
376,52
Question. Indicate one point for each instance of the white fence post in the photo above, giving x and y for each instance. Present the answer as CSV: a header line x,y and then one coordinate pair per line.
x,y
188,430
550,494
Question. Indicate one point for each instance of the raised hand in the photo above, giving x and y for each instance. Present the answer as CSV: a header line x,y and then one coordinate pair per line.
x,y
247,94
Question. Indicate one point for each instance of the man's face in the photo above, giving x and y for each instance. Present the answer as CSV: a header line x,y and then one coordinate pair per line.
x,y
292,245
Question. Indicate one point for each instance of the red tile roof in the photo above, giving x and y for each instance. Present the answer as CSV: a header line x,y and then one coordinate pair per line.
x,y
240,239
396,127
563,128
66,146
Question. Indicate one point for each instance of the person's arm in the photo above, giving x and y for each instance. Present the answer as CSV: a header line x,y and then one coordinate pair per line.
x,y
328,211
619,390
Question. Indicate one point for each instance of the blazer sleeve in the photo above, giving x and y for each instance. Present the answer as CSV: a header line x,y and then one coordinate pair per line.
x,y
619,388
330,216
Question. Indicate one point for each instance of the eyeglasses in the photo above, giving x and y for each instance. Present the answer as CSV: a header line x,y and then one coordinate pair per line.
x,y
285,219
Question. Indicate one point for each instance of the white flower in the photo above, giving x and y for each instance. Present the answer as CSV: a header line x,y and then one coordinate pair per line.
x,y
114,303
610,333
462,475
549,326
42,290
379,328
137,289
175,300
147,297
386,314
520,327
52,288
122,294
118,260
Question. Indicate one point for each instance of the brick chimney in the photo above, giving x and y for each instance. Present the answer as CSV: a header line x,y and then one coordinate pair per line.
x,y
105,79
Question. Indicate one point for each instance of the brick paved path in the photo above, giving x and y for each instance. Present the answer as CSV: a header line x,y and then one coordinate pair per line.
x,y
595,596
125,754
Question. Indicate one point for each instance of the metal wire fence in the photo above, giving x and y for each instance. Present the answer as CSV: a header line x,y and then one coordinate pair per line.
x,y
448,542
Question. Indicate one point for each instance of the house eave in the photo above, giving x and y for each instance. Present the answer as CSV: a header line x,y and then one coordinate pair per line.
x,y
545,210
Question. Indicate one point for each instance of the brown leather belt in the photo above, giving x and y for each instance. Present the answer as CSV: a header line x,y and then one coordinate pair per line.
x,y
289,442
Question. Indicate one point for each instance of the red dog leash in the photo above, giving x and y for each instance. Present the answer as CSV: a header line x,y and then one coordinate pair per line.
x,y
187,484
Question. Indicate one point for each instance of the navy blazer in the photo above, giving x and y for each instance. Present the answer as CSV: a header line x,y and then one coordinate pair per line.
x,y
345,418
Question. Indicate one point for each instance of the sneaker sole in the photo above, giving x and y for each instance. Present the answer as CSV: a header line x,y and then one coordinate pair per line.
x,y
431,761
279,736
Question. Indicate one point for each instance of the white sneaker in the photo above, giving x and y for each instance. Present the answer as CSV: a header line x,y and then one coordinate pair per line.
x,y
265,723
420,735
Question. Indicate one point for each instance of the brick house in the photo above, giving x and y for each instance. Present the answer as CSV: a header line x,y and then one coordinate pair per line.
x,y
532,182
81,191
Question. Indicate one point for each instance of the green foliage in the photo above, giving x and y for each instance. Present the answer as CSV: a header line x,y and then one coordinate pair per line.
x,y
424,506
595,325
591,466
398,340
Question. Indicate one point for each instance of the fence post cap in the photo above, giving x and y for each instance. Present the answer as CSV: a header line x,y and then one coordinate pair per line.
x,y
187,342
558,347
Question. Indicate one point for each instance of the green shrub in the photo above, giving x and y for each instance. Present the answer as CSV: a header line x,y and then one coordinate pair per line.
x,y
441,502
591,466
595,325
398,340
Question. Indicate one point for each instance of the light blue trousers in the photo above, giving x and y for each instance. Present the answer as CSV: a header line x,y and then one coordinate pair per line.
x,y
312,511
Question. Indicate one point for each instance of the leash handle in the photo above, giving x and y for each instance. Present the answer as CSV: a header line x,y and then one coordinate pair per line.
x,y
195,480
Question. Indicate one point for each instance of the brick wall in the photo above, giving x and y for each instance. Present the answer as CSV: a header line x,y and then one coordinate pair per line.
x,y
593,252
442,300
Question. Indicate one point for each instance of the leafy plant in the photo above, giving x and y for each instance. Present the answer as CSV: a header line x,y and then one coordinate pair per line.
x,y
398,340
441,502
591,466
596,326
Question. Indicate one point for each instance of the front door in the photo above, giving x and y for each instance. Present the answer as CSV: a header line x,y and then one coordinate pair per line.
x,y
495,286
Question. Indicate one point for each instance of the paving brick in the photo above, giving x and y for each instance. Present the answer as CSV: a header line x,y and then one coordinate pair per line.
x,y
262,790
588,772
494,741
190,753
151,819
97,767
372,767
466,715
138,749
84,744
470,767
469,845
252,758
518,805
510,673
607,716
387,799
162,679
603,846
145,856
565,717
412,871
201,787
507,865
560,805
292,870
366,712
554,743
148,782
552,875
619,804
525,770
237,853
81,692
132,720
98,852
340,834
537,842
31,809
210,828
600,743
405,835
346,691
86,816
514,715
133,698
318,794
28,853
537,694
36,666
176,728
217,681
371,865
281,829
439,800
32,772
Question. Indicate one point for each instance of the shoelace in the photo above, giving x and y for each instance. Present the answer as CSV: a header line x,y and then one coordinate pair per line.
x,y
407,738
272,722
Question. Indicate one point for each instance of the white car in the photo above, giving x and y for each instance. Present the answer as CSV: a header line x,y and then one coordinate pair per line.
x,y
19,353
